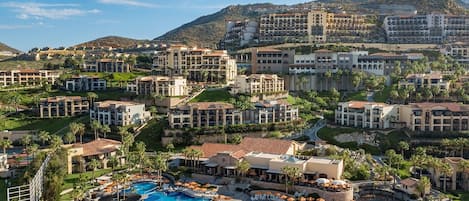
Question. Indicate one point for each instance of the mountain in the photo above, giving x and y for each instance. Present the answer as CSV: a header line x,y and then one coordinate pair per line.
x,y
112,41
4,47
208,30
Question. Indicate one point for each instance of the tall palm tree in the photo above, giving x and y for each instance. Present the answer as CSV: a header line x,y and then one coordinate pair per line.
x,y
446,170
94,164
122,132
96,126
446,143
44,136
243,167
160,165
91,97
5,144
403,146
140,151
117,178
463,165
423,185
186,152
78,129
461,143
55,142
291,173
69,138
32,149
105,129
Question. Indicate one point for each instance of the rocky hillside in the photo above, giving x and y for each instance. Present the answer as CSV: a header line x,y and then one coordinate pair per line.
x,y
112,41
4,47
208,30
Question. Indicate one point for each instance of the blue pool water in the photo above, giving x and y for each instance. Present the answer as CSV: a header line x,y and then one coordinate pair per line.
x,y
155,195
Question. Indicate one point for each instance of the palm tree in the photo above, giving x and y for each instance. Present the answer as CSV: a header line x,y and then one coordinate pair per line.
x,y
5,144
91,97
243,167
94,164
170,147
403,146
153,111
55,142
44,136
69,138
186,152
95,125
423,185
117,177
446,170
78,129
291,173
204,75
123,132
105,129
26,140
78,194
446,143
140,151
464,167
32,149
461,143
160,165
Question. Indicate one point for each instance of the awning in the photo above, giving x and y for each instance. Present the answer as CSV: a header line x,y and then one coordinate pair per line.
x,y
311,173
230,167
274,171
259,167
211,165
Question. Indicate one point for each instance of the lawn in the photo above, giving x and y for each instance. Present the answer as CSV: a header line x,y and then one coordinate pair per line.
x,y
213,95
151,135
382,96
328,135
71,179
49,125
3,190
458,196
357,96
109,94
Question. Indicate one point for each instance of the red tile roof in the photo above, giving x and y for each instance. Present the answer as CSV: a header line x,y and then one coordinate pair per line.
x,y
361,104
409,182
99,146
453,107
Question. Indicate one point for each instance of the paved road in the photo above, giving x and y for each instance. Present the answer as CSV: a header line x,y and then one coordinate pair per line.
x,y
313,131
370,96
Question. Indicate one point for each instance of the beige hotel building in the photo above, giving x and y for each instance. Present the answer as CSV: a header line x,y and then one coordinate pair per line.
x,y
258,84
63,106
200,64
119,113
160,85
27,77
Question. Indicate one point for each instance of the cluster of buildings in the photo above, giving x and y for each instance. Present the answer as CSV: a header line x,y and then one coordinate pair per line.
x,y
214,114
433,117
196,64
430,28
165,86
429,80
117,113
107,65
85,83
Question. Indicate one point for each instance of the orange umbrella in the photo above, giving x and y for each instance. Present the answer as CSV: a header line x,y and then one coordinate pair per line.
x,y
194,183
302,199
291,199
284,197
320,199
310,199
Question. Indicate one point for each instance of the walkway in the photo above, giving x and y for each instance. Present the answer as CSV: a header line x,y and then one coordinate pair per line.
x,y
312,132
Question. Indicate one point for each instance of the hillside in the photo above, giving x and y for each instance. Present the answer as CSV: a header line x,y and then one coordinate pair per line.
x,y
4,47
208,30
112,41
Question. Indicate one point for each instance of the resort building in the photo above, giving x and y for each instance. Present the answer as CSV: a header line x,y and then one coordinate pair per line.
x,y
459,52
347,27
363,114
28,77
239,33
285,27
420,81
410,186
63,106
204,114
79,155
456,180
257,84
85,83
266,158
107,65
210,114
438,117
201,65
430,28
269,60
164,86
119,113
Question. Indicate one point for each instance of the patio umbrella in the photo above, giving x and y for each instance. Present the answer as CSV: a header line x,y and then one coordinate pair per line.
x,y
322,181
302,199
284,197
338,182
291,199
193,183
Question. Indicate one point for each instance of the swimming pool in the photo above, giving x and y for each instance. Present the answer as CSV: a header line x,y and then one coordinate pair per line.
x,y
148,188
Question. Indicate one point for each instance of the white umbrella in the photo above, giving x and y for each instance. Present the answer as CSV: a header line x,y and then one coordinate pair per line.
x,y
322,181
338,182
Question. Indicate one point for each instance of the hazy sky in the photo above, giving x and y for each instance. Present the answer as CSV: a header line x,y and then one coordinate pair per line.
x,y
39,23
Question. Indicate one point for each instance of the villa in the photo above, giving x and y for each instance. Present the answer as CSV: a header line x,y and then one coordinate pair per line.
x,y
119,113
80,154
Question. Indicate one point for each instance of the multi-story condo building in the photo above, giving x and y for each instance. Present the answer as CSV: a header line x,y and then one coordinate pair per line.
x,y
202,65
208,114
347,27
28,77
164,86
107,65
255,84
433,117
365,114
420,81
119,113
204,114
239,33
268,60
456,180
63,106
85,83
460,52
384,63
430,28
439,117
285,27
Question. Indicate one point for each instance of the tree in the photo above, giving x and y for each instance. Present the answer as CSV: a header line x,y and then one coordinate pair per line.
x,y
26,140
140,151
78,129
423,185
94,164
403,146
170,147
69,138
91,97
32,149
461,143
394,94
95,125
204,75
160,165
105,129
243,167
5,144
446,170
153,111
117,177
78,194
236,139
291,173
14,98
463,165
55,142
44,136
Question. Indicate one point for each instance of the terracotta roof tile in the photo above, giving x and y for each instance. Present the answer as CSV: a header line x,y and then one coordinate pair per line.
x,y
453,107
99,146
409,182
